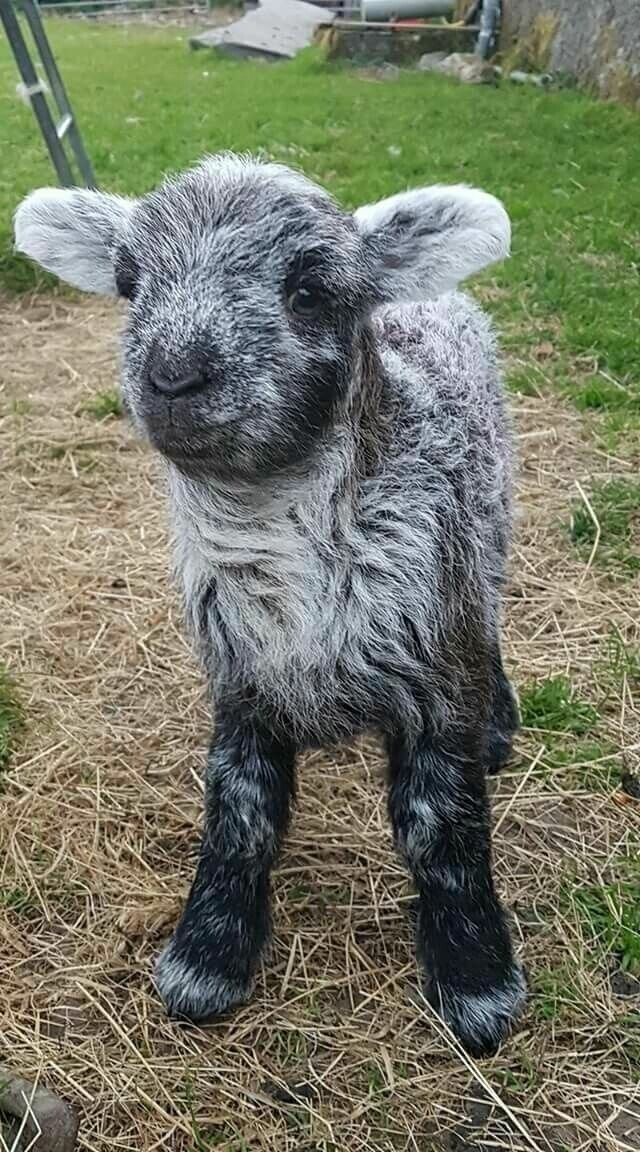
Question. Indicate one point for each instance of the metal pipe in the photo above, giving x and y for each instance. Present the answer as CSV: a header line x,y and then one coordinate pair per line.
x,y
405,9
489,24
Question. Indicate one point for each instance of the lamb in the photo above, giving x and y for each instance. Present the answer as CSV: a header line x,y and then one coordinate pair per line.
x,y
338,461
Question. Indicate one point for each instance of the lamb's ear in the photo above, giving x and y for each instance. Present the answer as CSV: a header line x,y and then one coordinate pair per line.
x,y
73,233
423,243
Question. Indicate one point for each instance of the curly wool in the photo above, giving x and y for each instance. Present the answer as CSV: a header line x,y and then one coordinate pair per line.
x,y
316,578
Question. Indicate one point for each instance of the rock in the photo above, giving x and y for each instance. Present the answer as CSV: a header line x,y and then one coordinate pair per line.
x,y
540,79
468,69
630,784
478,1111
46,1113
431,61
624,984
286,1093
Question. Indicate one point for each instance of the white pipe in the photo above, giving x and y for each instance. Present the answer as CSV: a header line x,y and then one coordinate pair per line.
x,y
380,10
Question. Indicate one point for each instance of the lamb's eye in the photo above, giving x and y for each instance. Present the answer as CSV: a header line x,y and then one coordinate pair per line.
x,y
306,300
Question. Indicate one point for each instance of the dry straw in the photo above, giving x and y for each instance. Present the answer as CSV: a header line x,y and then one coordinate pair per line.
x,y
99,826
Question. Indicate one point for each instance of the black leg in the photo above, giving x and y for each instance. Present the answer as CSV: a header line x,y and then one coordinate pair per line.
x,y
503,719
209,964
440,816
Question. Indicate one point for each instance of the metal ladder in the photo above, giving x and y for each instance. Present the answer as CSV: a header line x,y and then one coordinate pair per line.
x,y
55,134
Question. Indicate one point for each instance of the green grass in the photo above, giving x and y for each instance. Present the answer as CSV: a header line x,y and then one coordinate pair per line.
x,y
567,168
523,383
290,1047
521,1076
610,914
552,705
376,1082
104,405
623,660
11,717
602,394
14,899
582,763
616,507
554,992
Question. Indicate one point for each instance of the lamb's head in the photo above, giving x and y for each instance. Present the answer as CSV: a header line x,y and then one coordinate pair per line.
x,y
249,295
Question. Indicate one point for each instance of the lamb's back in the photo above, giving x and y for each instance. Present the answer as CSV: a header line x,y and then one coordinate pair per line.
x,y
447,408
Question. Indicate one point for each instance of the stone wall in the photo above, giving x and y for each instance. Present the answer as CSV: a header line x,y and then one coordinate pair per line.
x,y
349,40
597,41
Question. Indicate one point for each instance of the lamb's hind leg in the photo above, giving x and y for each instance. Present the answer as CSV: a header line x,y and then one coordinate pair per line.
x,y
439,810
209,964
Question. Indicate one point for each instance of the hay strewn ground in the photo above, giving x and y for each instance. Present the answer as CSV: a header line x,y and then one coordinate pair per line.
x,y
99,823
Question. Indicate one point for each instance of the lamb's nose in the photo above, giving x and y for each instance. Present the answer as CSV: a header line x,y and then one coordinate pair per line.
x,y
177,385
177,378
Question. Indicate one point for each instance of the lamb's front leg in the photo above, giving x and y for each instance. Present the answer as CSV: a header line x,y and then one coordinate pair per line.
x,y
439,810
209,965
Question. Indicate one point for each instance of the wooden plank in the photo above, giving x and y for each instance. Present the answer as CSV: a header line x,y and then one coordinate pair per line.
x,y
277,29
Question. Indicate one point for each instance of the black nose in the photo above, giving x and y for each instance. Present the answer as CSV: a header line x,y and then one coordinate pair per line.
x,y
176,377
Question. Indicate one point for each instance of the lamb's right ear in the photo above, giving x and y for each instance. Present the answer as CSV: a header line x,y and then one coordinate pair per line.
x,y
425,242
74,233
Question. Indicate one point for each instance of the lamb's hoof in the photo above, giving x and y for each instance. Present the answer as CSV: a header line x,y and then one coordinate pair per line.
x,y
481,1020
192,991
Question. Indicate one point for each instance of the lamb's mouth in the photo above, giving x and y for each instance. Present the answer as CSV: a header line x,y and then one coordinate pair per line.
x,y
199,448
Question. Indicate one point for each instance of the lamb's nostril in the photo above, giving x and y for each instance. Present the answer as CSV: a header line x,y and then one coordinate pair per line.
x,y
177,372
177,385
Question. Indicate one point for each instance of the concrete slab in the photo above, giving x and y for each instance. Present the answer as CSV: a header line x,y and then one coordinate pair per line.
x,y
277,30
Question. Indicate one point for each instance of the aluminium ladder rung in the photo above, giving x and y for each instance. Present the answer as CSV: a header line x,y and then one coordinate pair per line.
x,y
63,127
47,97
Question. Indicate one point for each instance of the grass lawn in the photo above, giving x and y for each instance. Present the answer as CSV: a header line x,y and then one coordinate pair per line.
x,y
103,719
568,170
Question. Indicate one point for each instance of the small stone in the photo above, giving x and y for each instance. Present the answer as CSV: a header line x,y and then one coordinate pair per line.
x,y
57,1122
544,351
631,785
478,1112
539,79
388,71
623,984
431,61
292,1093
468,69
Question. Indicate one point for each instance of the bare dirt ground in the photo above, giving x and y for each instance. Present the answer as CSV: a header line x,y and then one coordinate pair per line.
x,y
99,821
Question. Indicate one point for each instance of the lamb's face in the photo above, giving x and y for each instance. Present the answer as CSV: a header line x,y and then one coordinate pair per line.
x,y
248,290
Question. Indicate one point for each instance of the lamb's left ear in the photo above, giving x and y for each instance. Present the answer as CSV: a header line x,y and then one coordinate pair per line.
x,y
423,243
74,233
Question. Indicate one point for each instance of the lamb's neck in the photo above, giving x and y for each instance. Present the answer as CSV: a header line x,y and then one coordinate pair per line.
x,y
232,523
